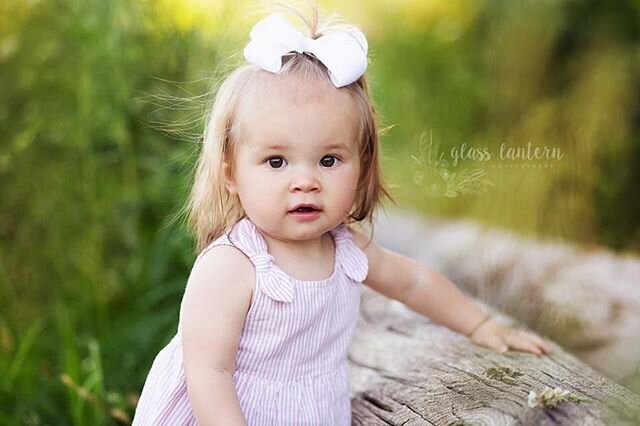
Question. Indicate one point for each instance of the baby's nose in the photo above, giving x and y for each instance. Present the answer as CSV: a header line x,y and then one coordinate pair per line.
x,y
305,181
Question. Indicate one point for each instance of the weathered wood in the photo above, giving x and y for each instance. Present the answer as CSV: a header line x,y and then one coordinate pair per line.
x,y
406,370
585,299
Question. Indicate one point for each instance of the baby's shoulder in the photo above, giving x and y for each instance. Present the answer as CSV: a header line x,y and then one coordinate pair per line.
x,y
223,259
363,241
215,303
223,267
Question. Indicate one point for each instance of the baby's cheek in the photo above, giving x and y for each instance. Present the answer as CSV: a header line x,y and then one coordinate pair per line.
x,y
256,192
347,197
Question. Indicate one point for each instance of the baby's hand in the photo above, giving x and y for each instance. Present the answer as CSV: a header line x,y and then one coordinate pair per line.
x,y
500,338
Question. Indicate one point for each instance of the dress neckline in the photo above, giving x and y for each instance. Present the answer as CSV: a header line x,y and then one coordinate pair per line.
x,y
336,252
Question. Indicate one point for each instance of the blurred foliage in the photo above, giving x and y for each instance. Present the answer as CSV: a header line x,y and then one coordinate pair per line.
x,y
97,146
560,74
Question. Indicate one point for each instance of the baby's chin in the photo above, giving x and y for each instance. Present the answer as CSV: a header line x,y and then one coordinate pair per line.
x,y
292,230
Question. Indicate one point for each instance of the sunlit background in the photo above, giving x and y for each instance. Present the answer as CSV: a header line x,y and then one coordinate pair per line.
x,y
100,111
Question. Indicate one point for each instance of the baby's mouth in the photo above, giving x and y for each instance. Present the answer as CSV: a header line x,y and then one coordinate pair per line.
x,y
305,208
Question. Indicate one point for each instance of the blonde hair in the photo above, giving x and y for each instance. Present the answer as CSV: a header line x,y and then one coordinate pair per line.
x,y
211,209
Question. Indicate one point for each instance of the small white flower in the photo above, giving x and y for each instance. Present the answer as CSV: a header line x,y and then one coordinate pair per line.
x,y
551,397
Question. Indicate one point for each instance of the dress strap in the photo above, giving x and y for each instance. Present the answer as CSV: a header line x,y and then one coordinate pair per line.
x,y
349,256
271,281
274,282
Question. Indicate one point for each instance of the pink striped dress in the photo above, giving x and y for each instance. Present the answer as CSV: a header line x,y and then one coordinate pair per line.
x,y
291,364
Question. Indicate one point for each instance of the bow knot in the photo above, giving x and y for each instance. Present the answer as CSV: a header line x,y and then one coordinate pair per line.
x,y
307,45
262,261
343,52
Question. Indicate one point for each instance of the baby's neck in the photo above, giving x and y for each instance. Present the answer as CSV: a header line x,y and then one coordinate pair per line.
x,y
305,260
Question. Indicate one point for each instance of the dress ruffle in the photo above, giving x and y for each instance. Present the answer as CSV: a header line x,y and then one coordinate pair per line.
x,y
315,398
350,257
277,284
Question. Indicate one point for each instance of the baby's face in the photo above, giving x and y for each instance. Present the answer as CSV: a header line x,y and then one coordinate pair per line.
x,y
297,145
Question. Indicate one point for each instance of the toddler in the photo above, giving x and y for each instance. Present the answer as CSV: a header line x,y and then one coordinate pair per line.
x,y
290,161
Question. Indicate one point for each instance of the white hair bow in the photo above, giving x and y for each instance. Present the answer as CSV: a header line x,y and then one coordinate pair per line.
x,y
343,52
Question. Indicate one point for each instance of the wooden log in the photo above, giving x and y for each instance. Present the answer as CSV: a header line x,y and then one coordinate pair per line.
x,y
586,299
406,370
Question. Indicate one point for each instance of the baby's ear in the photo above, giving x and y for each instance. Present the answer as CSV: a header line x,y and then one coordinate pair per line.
x,y
229,181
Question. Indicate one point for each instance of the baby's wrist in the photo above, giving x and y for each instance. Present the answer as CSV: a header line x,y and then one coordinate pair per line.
x,y
483,321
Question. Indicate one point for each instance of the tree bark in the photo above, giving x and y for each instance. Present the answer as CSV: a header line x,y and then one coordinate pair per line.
x,y
587,299
406,370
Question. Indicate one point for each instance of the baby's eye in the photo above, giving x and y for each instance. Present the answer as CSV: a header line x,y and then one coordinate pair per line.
x,y
329,161
276,162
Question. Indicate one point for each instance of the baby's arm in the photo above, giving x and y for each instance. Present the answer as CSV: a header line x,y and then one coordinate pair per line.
x,y
430,293
213,311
